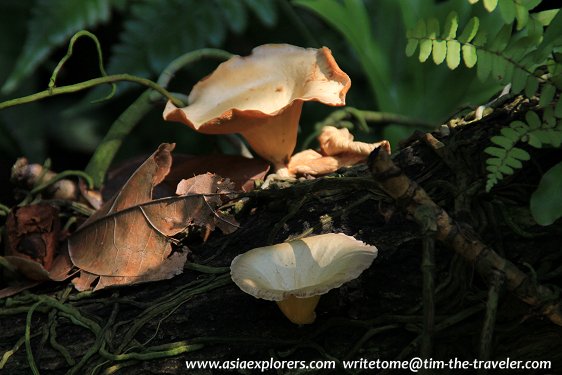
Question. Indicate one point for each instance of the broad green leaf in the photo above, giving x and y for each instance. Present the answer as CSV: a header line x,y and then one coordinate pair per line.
x,y
51,24
469,55
451,26
547,94
531,86
510,133
473,1
507,10
453,54
522,16
519,153
519,80
266,10
505,142
495,151
439,51
470,30
490,5
533,120
411,47
484,66
234,14
546,201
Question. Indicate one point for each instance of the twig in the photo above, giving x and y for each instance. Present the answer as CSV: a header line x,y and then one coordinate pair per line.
x,y
463,240
496,285
88,84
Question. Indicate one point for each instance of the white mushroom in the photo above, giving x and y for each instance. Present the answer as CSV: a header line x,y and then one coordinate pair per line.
x,y
295,274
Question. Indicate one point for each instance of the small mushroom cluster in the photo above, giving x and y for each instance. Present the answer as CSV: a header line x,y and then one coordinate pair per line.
x,y
295,274
261,96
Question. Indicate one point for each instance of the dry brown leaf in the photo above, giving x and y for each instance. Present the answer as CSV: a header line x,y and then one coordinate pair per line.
x,y
128,240
240,170
32,237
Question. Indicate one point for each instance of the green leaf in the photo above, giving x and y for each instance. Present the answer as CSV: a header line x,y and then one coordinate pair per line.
x,y
520,127
530,4
513,163
533,120
234,13
510,133
473,1
439,51
501,40
469,55
507,10
558,108
490,5
420,31
411,47
499,67
52,23
519,80
484,66
425,49
505,142
469,31
546,201
453,54
522,16
495,151
531,87
494,161
505,169
451,26
265,10
547,94
534,140
519,153
546,16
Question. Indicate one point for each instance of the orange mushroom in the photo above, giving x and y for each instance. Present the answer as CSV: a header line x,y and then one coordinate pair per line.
x,y
260,96
337,149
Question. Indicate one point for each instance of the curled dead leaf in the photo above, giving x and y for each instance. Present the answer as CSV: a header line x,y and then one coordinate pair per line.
x,y
128,240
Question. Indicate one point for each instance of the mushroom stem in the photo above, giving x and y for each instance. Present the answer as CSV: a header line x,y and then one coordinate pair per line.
x,y
275,138
299,310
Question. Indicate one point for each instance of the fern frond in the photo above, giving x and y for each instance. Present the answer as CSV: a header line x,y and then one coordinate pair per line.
x,y
511,9
506,157
517,58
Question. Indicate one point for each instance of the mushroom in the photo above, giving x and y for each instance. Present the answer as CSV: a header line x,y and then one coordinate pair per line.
x,y
337,149
295,274
260,96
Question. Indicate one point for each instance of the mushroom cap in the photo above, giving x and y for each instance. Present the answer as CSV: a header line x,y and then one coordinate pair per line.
x,y
260,86
302,268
